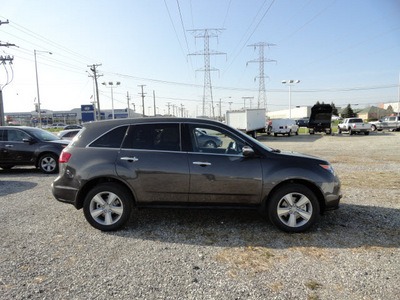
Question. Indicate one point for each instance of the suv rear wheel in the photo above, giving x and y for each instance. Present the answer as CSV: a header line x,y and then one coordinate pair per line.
x,y
293,208
107,206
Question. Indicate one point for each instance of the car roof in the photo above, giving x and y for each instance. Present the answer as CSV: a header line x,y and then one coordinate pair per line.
x,y
94,129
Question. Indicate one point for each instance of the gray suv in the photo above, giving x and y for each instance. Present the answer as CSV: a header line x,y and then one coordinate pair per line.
x,y
112,166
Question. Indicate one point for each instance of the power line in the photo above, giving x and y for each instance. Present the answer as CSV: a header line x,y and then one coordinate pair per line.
x,y
258,24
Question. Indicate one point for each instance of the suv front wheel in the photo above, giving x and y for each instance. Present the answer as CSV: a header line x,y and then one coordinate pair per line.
x,y
107,206
48,163
293,208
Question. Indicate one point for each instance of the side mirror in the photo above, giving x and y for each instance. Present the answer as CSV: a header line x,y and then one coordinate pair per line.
x,y
29,141
247,151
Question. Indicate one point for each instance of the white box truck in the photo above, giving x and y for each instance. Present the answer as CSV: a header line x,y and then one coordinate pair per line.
x,y
250,121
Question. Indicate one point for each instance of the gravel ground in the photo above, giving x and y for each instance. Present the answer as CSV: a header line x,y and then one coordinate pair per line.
x,y
49,251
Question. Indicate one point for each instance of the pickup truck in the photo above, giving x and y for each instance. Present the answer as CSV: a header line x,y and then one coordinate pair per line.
x,y
354,125
391,123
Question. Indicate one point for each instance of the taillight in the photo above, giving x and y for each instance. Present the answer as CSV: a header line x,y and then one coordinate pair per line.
x,y
64,157
354,126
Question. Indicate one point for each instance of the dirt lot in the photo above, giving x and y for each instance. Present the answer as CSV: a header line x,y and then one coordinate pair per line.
x,y
49,251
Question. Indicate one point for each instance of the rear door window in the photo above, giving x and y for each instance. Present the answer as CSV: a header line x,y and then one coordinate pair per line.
x,y
112,139
162,136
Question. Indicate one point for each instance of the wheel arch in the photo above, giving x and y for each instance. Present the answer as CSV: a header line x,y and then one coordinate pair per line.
x,y
80,198
317,192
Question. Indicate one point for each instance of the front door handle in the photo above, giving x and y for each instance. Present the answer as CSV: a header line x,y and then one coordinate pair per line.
x,y
9,146
202,163
130,159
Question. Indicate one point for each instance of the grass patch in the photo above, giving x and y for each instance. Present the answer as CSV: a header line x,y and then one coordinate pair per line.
x,y
253,259
313,285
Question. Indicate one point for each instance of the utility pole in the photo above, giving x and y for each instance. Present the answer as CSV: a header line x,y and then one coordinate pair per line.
x,y
262,98
93,68
142,93
168,105
154,101
206,34
3,60
127,99
244,101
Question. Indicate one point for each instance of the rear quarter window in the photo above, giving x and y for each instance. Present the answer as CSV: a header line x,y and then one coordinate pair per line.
x,y
112,139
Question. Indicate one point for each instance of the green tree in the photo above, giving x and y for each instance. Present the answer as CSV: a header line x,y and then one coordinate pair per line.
x,y
348,112
334,109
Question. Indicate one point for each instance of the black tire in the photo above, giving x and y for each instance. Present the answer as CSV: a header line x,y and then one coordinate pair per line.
x,y
48,163
373,128
254,134
339,130
105,213
366,132
275,134
299,214
290,133
351,132
297,132
329,131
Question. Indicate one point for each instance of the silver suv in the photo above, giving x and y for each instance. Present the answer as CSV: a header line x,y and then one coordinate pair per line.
x,y
111,166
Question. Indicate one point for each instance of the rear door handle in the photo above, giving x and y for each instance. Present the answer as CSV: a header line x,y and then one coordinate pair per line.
x,y
202,163
9,146
130,159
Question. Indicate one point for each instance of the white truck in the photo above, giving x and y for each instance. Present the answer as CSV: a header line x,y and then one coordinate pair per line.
x,y
391,123
354,125
250,121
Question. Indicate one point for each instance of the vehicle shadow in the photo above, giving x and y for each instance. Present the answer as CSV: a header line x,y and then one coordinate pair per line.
x,y
8,187
352,226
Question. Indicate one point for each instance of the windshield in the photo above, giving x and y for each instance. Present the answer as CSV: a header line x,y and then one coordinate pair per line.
x,y
44,135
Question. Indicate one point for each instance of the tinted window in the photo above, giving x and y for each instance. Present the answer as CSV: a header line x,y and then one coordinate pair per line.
x,y
210,139
154,137
1,135
112,139
17,136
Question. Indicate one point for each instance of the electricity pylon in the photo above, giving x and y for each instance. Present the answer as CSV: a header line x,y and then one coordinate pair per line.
x,y
262,97
206,34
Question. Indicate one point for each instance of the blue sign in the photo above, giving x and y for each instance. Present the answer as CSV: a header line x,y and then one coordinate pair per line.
x,y
87,113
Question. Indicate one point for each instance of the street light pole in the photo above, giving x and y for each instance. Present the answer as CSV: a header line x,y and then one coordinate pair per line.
x,y
111,86
37,84
290,83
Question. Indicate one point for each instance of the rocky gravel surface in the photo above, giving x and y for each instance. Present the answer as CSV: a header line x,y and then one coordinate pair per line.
x,y
49,251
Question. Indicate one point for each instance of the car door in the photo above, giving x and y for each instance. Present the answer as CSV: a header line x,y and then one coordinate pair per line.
x,y
222,175
14,150
152,162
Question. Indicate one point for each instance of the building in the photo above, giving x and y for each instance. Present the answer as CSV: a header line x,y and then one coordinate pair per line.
x,y
74,116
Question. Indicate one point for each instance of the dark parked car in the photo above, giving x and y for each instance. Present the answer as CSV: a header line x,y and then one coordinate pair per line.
x,y
302,122
30,146
206,140
114,165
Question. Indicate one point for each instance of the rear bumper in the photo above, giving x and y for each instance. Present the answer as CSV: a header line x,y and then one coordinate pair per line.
x,y
64,194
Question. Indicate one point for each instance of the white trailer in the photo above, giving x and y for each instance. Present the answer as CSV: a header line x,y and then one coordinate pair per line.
x,y
250,121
